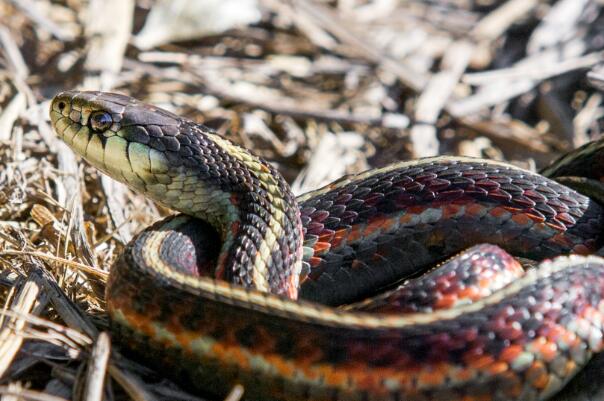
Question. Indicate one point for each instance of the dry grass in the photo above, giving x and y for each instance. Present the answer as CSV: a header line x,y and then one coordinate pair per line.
x,y
321,88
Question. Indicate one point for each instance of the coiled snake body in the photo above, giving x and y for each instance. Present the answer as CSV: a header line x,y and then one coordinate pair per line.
x,y
216,314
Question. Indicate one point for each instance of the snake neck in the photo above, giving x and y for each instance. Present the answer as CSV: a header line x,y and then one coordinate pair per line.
x,y
250,205
260,223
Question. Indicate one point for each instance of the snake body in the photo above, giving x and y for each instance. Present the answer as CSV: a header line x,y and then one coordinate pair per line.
x,y
220,313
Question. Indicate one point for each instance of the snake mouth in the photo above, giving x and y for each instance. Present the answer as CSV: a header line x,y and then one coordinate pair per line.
x,y
85,125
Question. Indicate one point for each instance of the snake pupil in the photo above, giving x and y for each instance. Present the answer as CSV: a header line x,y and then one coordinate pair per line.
x,y
61,105
100,121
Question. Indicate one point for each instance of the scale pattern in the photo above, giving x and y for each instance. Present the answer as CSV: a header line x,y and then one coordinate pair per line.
x,y
468,277
400,220
521,342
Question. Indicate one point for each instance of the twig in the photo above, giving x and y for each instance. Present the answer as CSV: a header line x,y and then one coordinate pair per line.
x,y
101,274
30,9
434,97
29,299
97,369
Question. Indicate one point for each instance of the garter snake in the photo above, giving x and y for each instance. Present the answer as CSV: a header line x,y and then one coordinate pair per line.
x,y
257,307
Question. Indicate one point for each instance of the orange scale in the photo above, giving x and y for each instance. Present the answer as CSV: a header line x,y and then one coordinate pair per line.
x,y
521,219
308,355
433,376
498,368
388,223
219,349
309,372
464,375
417,209
333,377
537,375
509,354
341,233
336,242
375,225
484,282
185,338
535,218
555,332
406,218
469,293
173,323
571,367
314,261
561,239
378,257
450,210
406,380
474,209
570,338
556,226
285,368
356,233
240,358
265,341
480,362
498,212
292,287
321,247
536,344
589,313
513,386
446,302
326,237
141,323
371,382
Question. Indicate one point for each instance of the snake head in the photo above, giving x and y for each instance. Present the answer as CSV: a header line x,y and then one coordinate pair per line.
x,y
126,139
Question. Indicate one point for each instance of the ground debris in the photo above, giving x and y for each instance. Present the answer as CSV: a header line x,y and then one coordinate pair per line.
x,y
357,83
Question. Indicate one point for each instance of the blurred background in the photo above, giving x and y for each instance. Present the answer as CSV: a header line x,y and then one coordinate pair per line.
x,y
319,88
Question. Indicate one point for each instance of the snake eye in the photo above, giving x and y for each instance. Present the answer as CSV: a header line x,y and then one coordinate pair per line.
x,y
100,121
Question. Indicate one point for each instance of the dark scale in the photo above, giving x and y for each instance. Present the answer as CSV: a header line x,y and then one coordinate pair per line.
x,y
253,204
358,268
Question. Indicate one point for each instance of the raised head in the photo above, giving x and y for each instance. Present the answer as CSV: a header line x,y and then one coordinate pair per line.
x,y
189,168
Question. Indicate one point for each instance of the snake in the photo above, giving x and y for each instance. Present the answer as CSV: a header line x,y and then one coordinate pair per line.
x,y
378,286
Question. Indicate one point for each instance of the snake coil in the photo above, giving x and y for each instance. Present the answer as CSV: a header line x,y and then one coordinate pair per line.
x,y
224,312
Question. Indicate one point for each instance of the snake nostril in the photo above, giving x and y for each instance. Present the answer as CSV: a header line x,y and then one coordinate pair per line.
x,y
61,105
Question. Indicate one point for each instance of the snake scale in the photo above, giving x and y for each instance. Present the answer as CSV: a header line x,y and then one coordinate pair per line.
x,y
243,287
